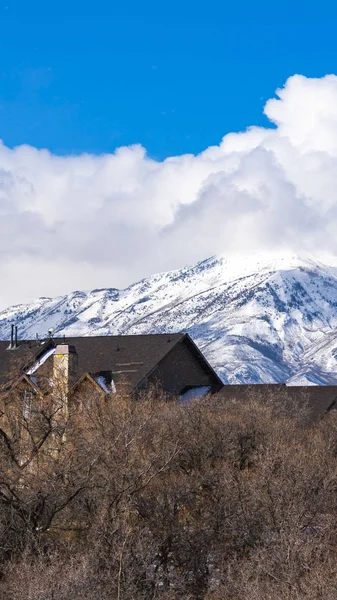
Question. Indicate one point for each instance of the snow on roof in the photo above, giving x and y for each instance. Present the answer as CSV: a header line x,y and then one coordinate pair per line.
x,y
195,392
40,361
103,384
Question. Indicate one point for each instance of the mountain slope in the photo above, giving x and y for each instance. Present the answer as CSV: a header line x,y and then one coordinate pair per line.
x,y
256,319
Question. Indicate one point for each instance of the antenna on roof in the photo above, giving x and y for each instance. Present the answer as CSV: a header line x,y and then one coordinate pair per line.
x,y
16,336
64,338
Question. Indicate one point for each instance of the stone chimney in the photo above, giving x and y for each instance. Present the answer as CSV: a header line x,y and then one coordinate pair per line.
x,y
64,370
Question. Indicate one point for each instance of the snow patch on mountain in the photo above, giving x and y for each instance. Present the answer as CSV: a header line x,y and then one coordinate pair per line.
x,y
257,318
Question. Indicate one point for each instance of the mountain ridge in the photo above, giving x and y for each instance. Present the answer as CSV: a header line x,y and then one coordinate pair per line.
x,y
257,319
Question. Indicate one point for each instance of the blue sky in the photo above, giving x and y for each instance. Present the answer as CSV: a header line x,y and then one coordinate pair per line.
x,y
90,81
174,76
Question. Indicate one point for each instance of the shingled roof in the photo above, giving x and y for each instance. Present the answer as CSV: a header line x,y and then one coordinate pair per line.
x,y
14,362
128,357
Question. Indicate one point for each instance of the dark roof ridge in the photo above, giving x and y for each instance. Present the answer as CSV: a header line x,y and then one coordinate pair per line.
x,y
121,335
204,360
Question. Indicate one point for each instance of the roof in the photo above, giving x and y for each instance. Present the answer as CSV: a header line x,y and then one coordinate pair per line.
x,y
318,399
102,380
14,362
129,357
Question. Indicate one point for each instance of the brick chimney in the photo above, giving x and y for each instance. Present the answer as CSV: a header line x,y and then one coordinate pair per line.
x,y
64,369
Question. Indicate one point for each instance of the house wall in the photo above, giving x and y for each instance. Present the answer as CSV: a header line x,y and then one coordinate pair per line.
x,y
181,369
21,419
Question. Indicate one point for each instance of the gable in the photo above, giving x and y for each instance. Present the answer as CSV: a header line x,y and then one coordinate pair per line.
x,y
184,367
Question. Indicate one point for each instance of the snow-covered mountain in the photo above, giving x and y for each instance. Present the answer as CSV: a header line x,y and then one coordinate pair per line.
x,y
256,319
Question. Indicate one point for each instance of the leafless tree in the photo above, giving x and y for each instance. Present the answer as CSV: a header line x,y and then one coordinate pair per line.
x,y
122,499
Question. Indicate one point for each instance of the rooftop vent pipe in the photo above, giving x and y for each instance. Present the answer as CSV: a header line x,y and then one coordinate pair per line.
x,y
11,345
14,338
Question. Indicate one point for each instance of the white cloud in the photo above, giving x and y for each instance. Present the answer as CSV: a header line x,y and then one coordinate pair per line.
x,y
93,221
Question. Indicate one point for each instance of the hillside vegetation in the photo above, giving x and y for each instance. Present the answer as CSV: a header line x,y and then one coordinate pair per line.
x,y
141,500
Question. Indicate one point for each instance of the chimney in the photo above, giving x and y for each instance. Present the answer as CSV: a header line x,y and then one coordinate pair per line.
x,y
64,369
16,337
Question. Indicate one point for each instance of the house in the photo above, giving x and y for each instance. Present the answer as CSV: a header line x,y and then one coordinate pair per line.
x,y
104,364
315,401
98,366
